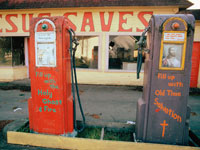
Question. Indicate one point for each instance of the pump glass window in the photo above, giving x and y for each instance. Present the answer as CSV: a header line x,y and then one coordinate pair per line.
x,y
172,55
123,52
87,52
46,54
12,51
172,52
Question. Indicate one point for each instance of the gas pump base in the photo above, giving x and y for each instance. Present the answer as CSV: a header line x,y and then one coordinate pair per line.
x,y
73,134
140,119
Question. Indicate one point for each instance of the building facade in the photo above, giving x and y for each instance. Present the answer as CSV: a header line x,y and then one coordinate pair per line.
x,y
108,33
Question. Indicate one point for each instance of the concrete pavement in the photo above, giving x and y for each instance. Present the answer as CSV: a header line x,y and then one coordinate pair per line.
x,y
103,103
100,103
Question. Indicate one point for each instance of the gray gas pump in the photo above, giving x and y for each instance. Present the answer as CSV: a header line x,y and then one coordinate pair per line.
x,y
162,112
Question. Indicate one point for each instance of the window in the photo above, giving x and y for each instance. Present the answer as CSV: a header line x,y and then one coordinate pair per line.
x,y
123,52
87,52
12,51
5,52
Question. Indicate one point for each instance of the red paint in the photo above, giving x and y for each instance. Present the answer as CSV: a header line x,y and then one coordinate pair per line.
x,y
87,21
124,21
24,22
143,20
105,27
195,64
11,23
157,110
1,28
51,109
73,26
175,25
44,15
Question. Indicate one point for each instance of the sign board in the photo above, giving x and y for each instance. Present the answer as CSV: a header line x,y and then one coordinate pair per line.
x,y
174,36
45,47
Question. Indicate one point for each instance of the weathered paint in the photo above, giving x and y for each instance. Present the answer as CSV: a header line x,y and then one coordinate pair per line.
x,y
13,73
163,106
51,103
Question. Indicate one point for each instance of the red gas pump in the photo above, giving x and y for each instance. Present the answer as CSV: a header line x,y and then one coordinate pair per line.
x,y
52,70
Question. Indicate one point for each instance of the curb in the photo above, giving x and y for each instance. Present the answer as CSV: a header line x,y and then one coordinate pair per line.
x,y
14,126
113,126
52,141
12,86
13,137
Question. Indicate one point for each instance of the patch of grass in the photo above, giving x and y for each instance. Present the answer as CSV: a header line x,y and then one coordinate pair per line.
x,y
24,128
21,94
95,133
118,136
91,133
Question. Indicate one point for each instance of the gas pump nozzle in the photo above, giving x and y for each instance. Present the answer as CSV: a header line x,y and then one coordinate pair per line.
x,y
141,43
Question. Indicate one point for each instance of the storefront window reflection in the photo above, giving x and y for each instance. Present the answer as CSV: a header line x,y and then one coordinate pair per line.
x,y
123,52
12,51
87,52
5,52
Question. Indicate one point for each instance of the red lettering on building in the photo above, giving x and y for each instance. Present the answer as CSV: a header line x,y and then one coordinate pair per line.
x,y
44,15
24,22
1,28
87,24
73,26
124,21
87,21
143,20
11,23
105,27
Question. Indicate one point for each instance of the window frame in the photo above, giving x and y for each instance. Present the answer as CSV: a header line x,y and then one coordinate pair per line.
x,y
99,35
15,66
107,51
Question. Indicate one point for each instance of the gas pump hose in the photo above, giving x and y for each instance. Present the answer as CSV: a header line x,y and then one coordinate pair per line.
x,y
141,44
74,80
